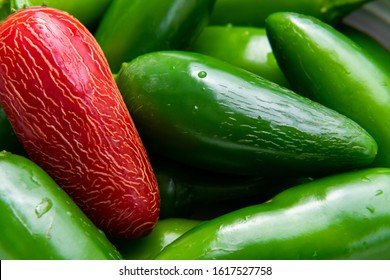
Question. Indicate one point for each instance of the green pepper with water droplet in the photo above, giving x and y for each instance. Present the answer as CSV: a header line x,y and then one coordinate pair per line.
x,y
342,216
207,113
40,221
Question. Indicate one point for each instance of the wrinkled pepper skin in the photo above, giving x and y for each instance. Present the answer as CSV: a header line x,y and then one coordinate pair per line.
x,y
131,28
343,216
62,101
188,192
147,247
254,12
89,12
40,221
328,67
8,140
246,47
212,115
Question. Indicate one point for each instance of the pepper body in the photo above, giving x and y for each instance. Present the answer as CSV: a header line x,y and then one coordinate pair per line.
x,y
188,192
246,47
8,140
40,221
328,67
89,12
5,9
207,113
343,216
254,12
165,232
62,101
129,29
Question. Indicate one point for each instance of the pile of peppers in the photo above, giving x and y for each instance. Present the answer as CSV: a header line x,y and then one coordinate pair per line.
x,y
267,124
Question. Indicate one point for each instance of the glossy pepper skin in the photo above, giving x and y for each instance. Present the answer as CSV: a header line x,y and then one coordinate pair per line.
x,y
343,216
147,248
132,28
328,67
210,114
188,192
246,47
40,221
254,12
62,101
89,12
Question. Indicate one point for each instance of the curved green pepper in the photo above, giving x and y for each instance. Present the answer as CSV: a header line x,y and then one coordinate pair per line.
x,y
343,216
89,12
246,47
325,65
147,247
207,113
254,12
8,140
132,28
188,192
40,221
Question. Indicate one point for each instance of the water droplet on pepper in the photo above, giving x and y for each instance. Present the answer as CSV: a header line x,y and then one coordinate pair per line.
x,y
43,207
378,192
202,74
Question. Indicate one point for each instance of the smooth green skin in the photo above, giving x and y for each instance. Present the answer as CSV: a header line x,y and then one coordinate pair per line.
x,y
89,12
148,247
343,216
210,114
254,12
40,221
246,47
8,140
328,67
188,192
131,28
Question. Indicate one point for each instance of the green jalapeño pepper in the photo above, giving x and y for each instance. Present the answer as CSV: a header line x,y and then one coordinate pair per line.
x,y
8,140
210,114
246,47
326,66
132,28
89,12
40,221
187,191
343,216
4,9
254,12
147,247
